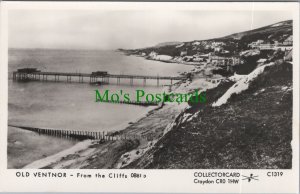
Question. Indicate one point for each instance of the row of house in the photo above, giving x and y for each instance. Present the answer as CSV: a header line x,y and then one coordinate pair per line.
x,y
224,61
218,60
216,46
212,57
287,44
216,49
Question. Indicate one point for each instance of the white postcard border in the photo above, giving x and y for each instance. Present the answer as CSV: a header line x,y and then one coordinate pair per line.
x,y
172,181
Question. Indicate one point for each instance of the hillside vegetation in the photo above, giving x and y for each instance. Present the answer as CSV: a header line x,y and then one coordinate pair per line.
x,y
252,130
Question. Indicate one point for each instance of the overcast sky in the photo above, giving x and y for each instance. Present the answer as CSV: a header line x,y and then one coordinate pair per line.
x,y
127,29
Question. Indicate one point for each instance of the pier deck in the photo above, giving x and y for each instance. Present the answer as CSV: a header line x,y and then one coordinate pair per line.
x,y
32,74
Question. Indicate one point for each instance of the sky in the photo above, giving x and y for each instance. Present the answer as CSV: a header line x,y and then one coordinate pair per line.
x,y
106,30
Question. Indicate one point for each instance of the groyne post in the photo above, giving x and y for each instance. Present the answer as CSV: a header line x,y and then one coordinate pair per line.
x,y
131,81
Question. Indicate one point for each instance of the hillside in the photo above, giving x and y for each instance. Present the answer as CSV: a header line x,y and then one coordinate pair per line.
x,y
234,42
247,120
277,28
241,51
253,129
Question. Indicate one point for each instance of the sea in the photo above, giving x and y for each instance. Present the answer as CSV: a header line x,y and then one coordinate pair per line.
x,y
72,106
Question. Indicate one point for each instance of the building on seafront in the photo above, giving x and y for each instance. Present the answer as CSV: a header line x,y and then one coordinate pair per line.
x,y
224,61
183,53
285,45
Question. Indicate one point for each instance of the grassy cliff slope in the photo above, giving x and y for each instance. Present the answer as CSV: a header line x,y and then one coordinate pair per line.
x,y
252,130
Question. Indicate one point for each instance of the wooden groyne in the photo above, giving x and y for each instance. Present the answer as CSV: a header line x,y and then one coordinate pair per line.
x,y
141,103
98,77
80,134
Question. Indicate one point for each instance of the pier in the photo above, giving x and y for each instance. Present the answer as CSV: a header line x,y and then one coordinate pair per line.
x,y
82,134
98,77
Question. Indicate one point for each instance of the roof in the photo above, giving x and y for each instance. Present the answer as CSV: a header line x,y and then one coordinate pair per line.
x,y
261,60
28,70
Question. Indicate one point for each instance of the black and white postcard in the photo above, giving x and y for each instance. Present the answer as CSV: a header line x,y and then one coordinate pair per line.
x,y
149,97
